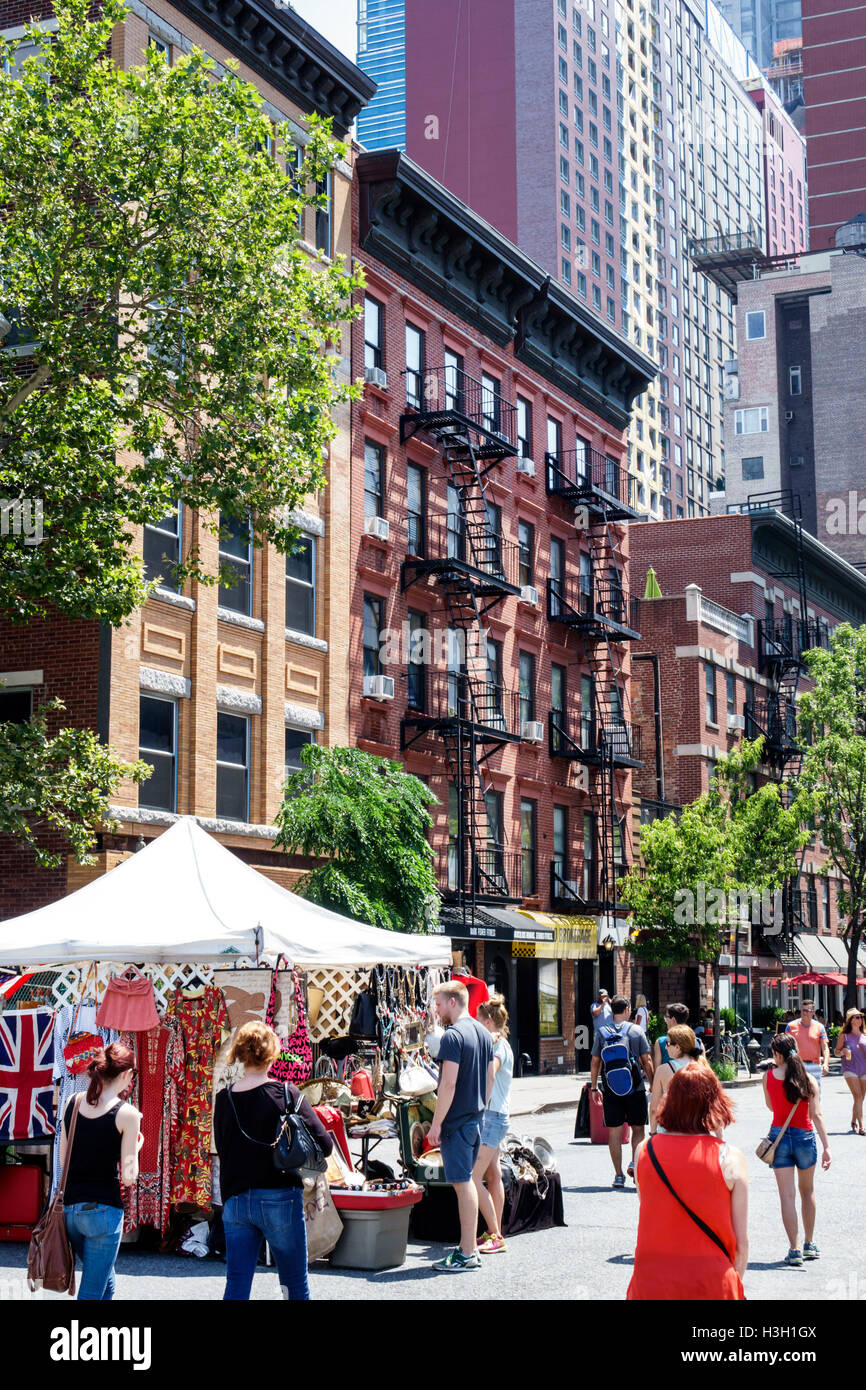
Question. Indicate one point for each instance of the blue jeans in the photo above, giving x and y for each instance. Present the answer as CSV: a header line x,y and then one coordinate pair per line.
x,y
798,1148
94,1232
273,1214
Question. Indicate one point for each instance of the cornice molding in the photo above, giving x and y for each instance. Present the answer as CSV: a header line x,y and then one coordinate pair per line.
x,y
414,225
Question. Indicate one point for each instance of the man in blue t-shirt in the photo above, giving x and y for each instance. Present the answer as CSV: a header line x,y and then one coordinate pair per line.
x,y
466,1077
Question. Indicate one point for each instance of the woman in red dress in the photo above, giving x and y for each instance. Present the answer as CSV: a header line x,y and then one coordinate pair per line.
x,y
702,1255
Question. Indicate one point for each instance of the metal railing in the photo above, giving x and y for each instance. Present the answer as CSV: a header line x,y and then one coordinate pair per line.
x,y
786,640
586,600
446,696
494,873
571,884
451,392
775,718
475,545
589,738
587,473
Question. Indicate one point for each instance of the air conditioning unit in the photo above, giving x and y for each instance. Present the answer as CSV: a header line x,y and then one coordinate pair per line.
x,y
379,687
527,466
731,390
377,526
529,594
376,376
736,721
532,731
789,415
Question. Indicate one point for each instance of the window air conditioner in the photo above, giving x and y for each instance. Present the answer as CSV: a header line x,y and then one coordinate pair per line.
x,y
789,415
379,687
527,466
529,594
377,526
532,731
736,721
376,376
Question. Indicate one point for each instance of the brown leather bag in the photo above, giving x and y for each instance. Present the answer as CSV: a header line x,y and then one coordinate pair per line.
x,y
50,1259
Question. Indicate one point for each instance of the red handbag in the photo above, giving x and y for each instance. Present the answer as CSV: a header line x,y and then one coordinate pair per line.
x,y
81,1048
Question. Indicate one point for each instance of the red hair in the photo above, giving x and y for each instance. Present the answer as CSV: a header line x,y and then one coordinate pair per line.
x,y
106,1065
695,1103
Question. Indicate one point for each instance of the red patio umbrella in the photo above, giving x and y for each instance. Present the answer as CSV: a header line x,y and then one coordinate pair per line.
x,y
812,977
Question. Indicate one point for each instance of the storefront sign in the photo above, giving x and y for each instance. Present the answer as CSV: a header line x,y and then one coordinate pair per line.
x,y
574,938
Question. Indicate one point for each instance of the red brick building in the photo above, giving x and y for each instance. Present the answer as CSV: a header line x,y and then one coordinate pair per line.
x,y
718,657
490,636
834,92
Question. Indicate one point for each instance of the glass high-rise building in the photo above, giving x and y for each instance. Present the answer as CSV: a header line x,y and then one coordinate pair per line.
x,y
382,54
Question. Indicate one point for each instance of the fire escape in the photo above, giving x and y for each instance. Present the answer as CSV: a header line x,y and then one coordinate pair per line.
x,y
465,708
596,605
773,713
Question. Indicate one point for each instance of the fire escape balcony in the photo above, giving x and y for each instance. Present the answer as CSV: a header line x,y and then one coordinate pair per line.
x,y
587,478
594,740
455,406
441,701
495,873
461,552
781,644
574,887
597,608
774,718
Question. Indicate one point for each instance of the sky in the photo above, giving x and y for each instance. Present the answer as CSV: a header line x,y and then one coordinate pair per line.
x,y
336,19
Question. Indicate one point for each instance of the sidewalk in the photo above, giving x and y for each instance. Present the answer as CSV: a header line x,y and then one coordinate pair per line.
x,y
539,1095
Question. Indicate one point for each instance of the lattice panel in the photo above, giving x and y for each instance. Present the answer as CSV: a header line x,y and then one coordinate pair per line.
x,y
341,987
164,978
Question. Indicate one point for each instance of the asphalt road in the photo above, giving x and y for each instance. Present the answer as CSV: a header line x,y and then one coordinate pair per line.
x,y
589,1259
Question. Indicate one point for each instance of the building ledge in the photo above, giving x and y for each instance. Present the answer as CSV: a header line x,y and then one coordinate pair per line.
x,y
227,615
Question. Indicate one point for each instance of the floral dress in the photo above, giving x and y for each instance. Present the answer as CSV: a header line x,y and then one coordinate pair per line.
x,y
202,1021
160,1054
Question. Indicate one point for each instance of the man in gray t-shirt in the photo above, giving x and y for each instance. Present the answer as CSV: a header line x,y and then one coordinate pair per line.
x,y
601,1011
466,1077
630,1109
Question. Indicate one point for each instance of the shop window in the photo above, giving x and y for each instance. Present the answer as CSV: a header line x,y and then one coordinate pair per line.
x,y
549,1002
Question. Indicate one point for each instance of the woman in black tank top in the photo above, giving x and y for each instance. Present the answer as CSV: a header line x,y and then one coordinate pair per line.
x,y
107,1139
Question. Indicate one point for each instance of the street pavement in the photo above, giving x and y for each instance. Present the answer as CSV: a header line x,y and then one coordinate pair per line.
x,y
589,1259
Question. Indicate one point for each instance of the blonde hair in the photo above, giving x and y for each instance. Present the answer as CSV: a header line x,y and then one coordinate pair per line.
x,y
494,1009
683,1037
453,989
640,1001
254,1045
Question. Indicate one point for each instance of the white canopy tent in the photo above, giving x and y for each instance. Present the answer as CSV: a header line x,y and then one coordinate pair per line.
x,y
186,898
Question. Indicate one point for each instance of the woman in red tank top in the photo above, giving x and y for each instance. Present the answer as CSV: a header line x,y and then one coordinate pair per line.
x,y
787,1085
692,1241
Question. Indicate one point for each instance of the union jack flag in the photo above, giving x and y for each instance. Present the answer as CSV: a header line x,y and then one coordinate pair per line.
x,y
26,1080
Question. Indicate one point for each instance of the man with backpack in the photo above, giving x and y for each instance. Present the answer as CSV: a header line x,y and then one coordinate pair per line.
x,y
621,1057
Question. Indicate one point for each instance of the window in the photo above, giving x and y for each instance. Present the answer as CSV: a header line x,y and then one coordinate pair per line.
x,y
233,761
560,840
161,47
162,544
549,1024
301,587
373,350
731,692
373,623
755,325
753,420
157,746
414,366
527,687
554,436
589,842
753,469
557,575
558,687
16,704
795,381
416,668
524,428
236,557
374,478
323,216
453,380
491,402
825,893
416,507
296,740
525,550
528,818
710,680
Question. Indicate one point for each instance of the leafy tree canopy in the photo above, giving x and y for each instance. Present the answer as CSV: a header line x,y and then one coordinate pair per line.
x,y
370,818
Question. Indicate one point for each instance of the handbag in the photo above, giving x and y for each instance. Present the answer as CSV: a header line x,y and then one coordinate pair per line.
x,y
415,1080
707,1230
295,1062
363,1022
323,1223
81,1048
766,1150
294,1148
50,1260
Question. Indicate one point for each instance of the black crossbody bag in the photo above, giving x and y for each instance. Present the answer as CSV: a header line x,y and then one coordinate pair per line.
x,y
707,1230
295,1149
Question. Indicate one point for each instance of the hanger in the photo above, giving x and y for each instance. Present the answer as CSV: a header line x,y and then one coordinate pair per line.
x,y
132,972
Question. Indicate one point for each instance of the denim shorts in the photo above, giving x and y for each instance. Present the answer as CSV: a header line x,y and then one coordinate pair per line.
x,y
459,1148
494,1128
798,1148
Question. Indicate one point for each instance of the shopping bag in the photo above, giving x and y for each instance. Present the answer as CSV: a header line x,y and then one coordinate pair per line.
x,y
324,1226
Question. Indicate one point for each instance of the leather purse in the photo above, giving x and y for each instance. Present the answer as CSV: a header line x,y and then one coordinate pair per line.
x,y
295,1150
766,1150
50,1259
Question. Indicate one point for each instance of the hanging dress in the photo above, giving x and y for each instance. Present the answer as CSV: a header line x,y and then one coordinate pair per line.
x,y
202,1021
160,1054
71,1085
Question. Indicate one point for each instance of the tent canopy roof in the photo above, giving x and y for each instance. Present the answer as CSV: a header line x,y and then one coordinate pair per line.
x,y
185,897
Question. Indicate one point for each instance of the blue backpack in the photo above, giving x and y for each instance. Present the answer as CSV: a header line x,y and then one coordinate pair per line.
x,y
617,1063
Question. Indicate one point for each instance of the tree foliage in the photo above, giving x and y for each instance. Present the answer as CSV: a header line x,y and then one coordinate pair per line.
x,y
180,339
60,783
832,718
370,818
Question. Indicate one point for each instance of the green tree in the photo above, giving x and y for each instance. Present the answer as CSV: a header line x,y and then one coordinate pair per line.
x,y
371,819
59,783
700,868
832,718
181,341
173,341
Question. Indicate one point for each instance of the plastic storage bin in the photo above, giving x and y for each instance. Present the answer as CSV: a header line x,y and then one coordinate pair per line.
x,y
375,1229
